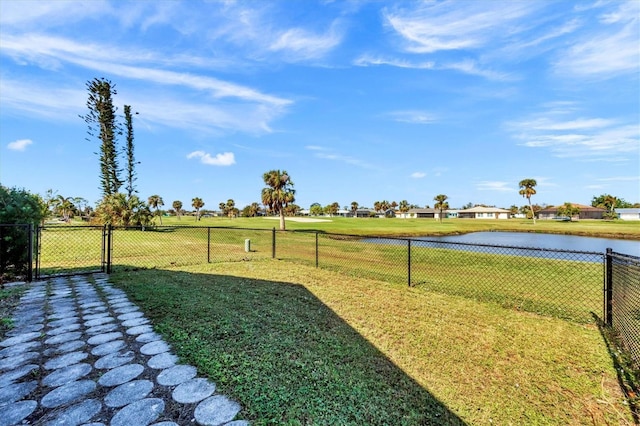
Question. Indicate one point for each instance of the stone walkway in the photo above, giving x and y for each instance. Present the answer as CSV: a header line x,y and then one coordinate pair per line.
x,y
80,353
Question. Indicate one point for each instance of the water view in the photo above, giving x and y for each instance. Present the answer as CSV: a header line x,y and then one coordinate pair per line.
x,y
548,241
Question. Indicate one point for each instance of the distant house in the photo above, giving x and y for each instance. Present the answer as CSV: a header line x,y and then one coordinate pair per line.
x,y
365,213
586,212
628,214
480,212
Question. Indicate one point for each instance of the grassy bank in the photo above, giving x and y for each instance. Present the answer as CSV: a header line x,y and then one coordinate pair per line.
x,y
297,345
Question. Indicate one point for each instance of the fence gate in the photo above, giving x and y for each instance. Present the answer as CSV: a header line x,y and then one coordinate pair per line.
x,y
69,250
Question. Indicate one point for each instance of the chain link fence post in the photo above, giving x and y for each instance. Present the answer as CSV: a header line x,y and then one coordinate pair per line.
x,y
409,262
273,243
608,288
30,248
317,249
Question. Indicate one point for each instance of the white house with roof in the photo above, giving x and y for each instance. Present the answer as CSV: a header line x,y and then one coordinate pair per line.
x,y
480,212
628,214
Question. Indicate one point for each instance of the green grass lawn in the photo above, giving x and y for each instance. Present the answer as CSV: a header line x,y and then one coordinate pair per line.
x,y
298,345
421,227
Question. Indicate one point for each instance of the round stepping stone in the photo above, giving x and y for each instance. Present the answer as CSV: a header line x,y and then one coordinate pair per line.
x,y
67,393
130,315
18,349
99,329
176,375
126,309
63,338
66,374
104,338
165,424
90,317
162,361
91,304
10,363
16,391
194,390
148,337
128,392
69,346
98,321
19,339
64,360
135,322
113,360
139,329
107,348
120,375
63,329
62,322
77,414
10,376
155,348
216,410
18,330
14,413
141,412
238,423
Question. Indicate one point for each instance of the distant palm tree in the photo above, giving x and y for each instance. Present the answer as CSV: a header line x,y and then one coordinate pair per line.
x,y
279,192
403,206
441,204
527,190
155,202
354,208
177,206
65,206
197,204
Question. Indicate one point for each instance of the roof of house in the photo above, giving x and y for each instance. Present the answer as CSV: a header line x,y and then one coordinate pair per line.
x,y
422,211
582,208
481,209
628,211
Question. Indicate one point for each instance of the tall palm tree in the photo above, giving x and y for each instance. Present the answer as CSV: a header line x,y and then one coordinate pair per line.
x,y
279,192
155,202
354,208
403,206
65,206
254,209
527,189
177,206
197,204
441,204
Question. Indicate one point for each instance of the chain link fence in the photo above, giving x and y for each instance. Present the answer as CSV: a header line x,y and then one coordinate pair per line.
x,y
624,298
559,283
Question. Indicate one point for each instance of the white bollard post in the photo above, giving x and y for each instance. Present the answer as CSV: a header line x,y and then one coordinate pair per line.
x,y
247,245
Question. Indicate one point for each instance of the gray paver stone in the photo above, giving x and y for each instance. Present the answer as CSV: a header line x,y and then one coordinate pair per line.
x,y
68,346
193,390
155,348
19,339
62,329
130,315
113,360
18,330
13,413
77,414
148,337
98,329
135,322
104,338
66,374
18,349
141,412
68,393
120,375
107,348
165,424
10,376
216,410
66,359
126,309
16,391
10,363
63,321
238,423
127,393
89,317
162,361
63,338
139,329
98,321
176,375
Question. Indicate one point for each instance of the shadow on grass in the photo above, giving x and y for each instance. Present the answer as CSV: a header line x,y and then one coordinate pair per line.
x,y
280,351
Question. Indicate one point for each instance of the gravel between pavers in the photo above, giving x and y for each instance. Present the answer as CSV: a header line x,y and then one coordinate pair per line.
x,y
74,356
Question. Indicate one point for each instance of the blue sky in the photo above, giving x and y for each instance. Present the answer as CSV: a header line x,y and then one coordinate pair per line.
x,y
357,100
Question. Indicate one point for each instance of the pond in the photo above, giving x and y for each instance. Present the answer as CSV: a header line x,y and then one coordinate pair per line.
x,y
547,241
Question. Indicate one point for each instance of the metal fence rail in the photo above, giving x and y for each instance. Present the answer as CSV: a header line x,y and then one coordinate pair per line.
x,y
625,302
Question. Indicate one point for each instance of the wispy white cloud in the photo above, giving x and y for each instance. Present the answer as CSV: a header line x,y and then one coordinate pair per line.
x,y
328,154
418,175
19,145
369,60
494,186
413,117
566,136
224,159
301,44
